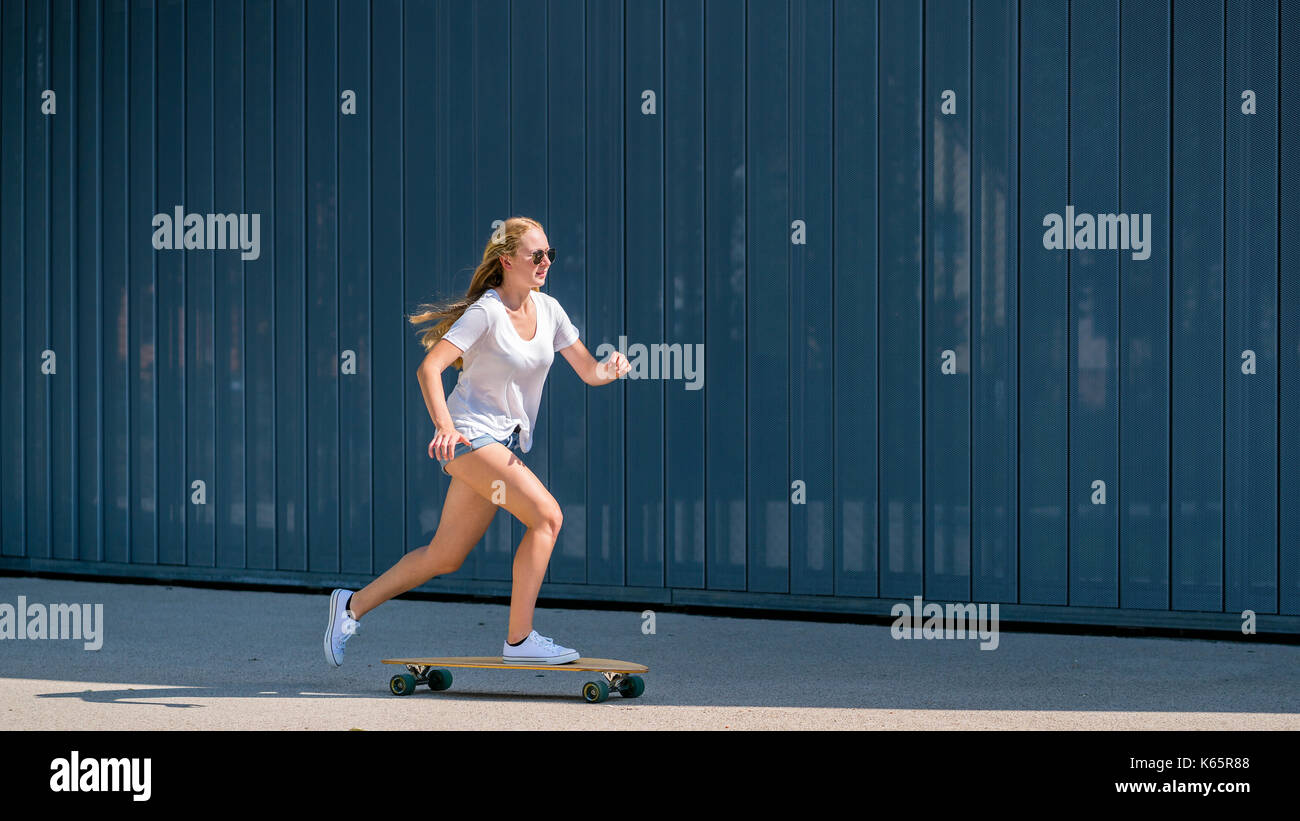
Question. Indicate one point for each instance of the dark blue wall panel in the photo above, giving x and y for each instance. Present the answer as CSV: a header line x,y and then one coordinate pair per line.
x,y
811,321
356,388
115,336
606,224
1197,386
726,434
1144,288
13,372
1044,356
946,299
645,430
62,285
36,289
418,211
855,294
682,116
142,296
392,340
321,290
260,285
798,209
767,297
198,292
291,362
1250,554
1289,307
228,477
171,276
88,327
900,345
995,221
1093,303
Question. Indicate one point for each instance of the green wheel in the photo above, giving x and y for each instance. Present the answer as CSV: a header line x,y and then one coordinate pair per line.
x,y
402,685
631,687
596,691
439,679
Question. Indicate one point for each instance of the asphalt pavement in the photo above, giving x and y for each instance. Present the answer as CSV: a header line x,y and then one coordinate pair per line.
x,y
192,658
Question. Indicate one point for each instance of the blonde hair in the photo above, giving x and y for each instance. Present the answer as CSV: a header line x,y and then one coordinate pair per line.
x,y
489,274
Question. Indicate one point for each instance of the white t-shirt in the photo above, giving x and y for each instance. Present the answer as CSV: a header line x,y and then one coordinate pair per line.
x,y
500,385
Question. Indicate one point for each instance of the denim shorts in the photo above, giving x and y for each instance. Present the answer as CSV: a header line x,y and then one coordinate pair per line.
x,y
511,441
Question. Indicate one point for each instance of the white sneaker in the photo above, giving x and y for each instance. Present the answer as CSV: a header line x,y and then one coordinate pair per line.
x,y
341,627
537,650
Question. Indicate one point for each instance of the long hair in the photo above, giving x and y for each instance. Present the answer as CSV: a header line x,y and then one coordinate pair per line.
x,y
489,274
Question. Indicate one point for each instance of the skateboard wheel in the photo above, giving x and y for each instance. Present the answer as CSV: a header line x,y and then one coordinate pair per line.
x,y
439,679
402,685
595,692
631,687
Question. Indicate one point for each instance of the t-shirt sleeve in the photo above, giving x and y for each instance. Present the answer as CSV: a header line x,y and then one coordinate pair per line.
x,y
565,332
465,331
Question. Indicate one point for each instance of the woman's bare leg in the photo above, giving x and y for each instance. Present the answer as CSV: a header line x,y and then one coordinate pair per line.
x,y
465,518
524,495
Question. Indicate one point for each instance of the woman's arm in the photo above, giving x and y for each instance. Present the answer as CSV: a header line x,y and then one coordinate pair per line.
x,y
429,375
592,372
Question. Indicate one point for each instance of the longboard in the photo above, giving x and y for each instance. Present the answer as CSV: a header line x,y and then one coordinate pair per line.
x,y
616,676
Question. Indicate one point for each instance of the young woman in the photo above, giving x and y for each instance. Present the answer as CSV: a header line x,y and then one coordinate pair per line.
x,y
505,332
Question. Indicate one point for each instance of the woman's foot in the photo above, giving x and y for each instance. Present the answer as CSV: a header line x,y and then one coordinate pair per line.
x,y
537,649
341,626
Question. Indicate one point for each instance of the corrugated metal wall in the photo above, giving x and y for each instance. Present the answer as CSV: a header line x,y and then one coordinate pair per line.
x,y
905,391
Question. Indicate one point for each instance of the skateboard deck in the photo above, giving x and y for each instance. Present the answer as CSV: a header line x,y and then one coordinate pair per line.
x,y
616,676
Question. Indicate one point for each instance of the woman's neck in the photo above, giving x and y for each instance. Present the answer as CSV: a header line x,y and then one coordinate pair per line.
x,y
514,300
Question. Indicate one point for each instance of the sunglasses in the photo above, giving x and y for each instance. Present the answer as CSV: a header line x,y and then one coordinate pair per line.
x,y
549,253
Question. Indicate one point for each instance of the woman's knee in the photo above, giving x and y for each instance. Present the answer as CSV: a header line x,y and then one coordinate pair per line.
x,y
448,566
549,519
525,496
438,563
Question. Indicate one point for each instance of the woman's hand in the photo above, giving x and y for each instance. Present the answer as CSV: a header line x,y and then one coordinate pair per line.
x,y
444,442
614,367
